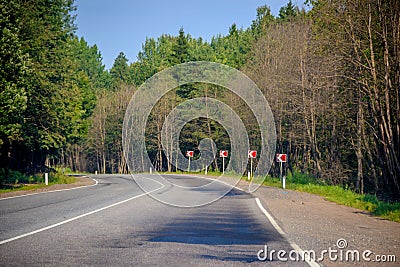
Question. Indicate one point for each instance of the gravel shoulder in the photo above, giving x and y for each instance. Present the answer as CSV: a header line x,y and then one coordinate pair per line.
x,y
81,181
314,223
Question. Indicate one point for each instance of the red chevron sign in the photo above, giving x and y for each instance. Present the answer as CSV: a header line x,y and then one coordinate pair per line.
x,y
280,157
252,154
223,153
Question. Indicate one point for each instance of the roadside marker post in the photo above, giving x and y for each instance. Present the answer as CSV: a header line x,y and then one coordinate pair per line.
x,y
252,154
281,158
251,167
223,154
189,154
46,178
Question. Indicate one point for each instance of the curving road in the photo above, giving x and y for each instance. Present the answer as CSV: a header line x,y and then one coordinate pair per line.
x,y
114,223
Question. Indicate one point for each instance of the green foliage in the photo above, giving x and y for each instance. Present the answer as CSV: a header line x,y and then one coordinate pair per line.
x,y
301,178
53,94
120,70
263,20
47,81
89,61
60,178
233,49
11,177
289,11
165,51
180,49
64,170
13,74
370,203
19,181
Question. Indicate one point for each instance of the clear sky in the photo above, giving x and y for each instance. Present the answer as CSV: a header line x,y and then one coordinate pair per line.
x,y
123,25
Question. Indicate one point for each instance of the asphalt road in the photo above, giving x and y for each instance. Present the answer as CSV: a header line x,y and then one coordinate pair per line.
x,y
114,223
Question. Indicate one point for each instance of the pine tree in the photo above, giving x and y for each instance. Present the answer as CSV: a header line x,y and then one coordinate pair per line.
x,y
120,69
180,50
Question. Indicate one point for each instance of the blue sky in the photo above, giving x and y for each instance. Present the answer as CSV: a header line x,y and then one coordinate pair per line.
x,y
123,25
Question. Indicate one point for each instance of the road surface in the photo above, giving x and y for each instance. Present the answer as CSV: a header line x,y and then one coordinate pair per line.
x,y
114,223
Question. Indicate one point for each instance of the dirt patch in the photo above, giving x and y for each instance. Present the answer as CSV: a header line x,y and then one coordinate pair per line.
x,y
81,181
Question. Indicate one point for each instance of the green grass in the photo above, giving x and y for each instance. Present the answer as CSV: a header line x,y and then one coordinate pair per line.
x,y
17,181
68,170
340,195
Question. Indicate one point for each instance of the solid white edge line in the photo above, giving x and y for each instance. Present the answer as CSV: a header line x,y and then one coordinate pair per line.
x,y
77,217
271,219
310,261
59,190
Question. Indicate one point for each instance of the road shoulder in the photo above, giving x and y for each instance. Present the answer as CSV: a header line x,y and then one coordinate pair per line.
x,y
81,181
315,223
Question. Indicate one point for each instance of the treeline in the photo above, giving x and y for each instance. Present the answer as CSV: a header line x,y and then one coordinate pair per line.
x,y
332,79
331,76
49,82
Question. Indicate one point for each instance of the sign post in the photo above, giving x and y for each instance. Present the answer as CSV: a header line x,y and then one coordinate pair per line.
x,y
223,154
281,158
252,154
251,167
189,154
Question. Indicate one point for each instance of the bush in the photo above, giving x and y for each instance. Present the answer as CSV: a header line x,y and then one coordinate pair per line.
x,y
301,178
13,177
16,177
59,178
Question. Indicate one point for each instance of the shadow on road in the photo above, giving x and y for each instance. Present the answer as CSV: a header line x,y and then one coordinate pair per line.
x,y
225,222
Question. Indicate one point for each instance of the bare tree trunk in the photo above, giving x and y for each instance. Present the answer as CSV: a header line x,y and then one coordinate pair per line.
x,y
159,160
210,132
359,154
382,119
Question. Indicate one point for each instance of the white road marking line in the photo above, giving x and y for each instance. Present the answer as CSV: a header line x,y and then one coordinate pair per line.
x,y
310,261
77,217
223,182
206,178
59,190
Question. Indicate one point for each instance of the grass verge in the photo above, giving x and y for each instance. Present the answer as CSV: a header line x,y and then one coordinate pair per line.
x,y
17,181
340,195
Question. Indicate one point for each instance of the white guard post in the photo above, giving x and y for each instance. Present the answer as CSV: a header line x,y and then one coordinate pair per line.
x,y
281,158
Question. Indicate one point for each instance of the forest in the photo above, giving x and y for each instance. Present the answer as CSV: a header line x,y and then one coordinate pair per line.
x,y
331,75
